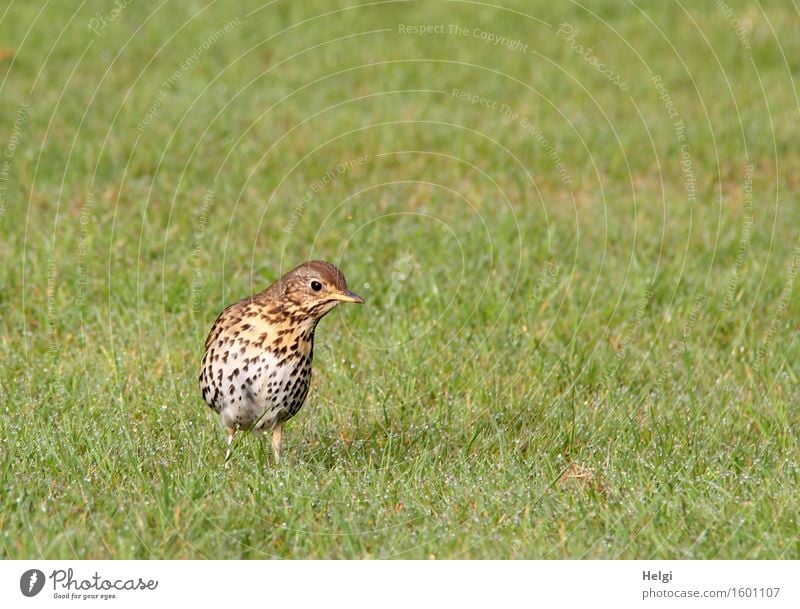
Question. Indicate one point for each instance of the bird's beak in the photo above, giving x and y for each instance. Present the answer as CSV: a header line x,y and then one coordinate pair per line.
x,y
347,296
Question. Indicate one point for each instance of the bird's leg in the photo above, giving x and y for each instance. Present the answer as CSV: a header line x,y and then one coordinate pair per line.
x,y
231,433
277,434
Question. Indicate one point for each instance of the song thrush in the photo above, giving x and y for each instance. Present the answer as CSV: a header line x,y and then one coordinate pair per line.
x,y
257,364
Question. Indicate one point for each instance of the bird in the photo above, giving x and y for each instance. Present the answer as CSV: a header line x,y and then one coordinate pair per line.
x,y
256,368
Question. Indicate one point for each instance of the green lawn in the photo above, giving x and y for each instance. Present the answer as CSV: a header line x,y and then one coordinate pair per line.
x,y
577,230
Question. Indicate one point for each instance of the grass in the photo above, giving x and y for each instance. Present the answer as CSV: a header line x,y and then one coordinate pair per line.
x,y
581,330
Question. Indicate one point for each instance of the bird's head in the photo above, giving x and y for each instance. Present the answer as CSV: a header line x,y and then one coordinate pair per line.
x,y
314,288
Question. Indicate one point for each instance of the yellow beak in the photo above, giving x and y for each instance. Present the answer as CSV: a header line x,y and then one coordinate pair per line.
x,y
347,296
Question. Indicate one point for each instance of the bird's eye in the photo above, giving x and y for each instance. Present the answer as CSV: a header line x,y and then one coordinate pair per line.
x,y
316,286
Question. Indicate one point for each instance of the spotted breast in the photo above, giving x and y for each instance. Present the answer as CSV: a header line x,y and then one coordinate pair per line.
x,y
256,371
256,368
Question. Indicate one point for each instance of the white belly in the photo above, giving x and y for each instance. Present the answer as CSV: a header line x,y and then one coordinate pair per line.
x,y
258,396
264,393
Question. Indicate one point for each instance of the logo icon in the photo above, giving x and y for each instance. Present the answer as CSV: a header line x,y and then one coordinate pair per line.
x,y
31,582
